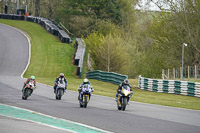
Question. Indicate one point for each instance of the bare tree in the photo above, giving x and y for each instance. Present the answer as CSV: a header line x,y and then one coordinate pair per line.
x,y
37,8
2,4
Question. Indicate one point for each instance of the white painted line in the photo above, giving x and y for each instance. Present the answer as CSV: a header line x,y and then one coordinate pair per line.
x,y
54,118
39,123
29,43
48,85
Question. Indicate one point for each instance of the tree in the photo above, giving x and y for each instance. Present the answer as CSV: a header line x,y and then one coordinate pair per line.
x,y
108,52
37,8
2,6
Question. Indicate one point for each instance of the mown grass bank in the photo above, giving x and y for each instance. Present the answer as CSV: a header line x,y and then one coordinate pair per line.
x,y
50,57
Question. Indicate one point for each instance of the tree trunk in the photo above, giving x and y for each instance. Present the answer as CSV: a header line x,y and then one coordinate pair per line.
x,y
37,8
2,2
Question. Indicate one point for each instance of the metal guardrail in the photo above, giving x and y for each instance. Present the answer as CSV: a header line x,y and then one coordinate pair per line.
x,y
111,77
79,55
170,86
46,23
12,16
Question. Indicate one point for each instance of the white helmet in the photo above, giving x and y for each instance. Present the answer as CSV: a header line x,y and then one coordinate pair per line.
x,y
61,74
86,81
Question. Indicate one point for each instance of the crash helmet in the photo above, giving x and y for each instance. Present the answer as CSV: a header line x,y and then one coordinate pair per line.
x,y
85,81
126,82
33,77
61,74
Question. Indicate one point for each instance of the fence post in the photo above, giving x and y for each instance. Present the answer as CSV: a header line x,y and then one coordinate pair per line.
x,y
163,74
168,74
188,72
180,73
174,73
195,70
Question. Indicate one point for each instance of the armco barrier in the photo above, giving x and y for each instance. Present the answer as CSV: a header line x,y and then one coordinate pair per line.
x,y
79,55
46,23
11,16
170,86
111,77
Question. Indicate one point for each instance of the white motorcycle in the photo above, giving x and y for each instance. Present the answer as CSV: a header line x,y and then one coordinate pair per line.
x,y
60,89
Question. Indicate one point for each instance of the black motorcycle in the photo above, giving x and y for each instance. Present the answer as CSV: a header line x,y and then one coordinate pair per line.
x,y
123,97
28,90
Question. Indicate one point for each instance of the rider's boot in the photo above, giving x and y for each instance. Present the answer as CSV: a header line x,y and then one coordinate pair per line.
x,y
23,87
55,88
79,96
116,97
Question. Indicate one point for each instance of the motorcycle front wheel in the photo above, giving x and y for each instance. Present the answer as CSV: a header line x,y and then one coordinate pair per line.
x,y
124,103
59,94
26,94
85,101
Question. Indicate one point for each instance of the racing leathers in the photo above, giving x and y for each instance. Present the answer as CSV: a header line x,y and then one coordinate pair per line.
x,y
27,81
120,88
81,86
59,78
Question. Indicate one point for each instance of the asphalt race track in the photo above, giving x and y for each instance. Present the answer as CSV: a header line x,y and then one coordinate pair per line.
x,y
101,112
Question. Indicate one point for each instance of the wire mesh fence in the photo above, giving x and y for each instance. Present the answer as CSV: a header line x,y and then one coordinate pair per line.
x,y
189,72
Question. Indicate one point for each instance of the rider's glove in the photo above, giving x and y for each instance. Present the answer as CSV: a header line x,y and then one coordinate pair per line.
x,y
79,89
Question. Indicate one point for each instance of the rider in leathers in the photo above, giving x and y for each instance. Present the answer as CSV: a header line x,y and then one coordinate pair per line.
x,y
85,81
125,82
32,78
61,77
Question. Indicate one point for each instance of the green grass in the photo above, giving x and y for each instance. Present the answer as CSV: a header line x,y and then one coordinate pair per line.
x,y
50,57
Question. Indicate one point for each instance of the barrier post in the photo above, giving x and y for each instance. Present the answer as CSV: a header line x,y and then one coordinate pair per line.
x,y
195,69
188,73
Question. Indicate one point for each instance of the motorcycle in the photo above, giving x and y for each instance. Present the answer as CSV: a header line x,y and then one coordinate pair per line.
x,y
124,97
28,90
85,95
60,89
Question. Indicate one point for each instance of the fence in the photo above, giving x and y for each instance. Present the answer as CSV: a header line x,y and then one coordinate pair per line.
x,y
170,86
79,55
50,26
111,77
189,72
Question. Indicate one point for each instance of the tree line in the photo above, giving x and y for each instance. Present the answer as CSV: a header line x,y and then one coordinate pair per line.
x,y
126,40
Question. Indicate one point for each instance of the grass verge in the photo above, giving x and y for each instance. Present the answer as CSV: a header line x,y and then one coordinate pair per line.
x,y
50,57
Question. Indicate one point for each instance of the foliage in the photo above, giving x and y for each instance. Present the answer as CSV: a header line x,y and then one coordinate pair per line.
x,y
108,52
162,37
51,50
151,41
